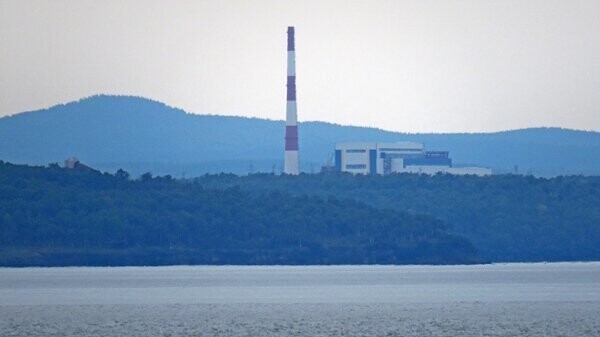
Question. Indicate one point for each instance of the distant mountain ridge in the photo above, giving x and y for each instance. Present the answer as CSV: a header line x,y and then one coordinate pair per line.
x,y
139,135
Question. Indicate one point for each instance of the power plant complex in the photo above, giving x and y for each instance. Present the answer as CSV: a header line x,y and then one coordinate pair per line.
x,y
400,157
363,157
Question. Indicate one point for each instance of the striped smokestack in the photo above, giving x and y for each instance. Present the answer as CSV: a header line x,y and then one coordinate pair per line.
x,y
291,118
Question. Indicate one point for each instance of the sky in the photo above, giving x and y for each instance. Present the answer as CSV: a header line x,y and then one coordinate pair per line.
x,y
410,66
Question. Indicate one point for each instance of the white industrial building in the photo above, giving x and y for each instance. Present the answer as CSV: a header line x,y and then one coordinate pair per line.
x,y
399,157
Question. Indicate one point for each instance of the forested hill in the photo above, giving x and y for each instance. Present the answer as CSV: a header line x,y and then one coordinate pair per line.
x,y
507,217
139,135
54,217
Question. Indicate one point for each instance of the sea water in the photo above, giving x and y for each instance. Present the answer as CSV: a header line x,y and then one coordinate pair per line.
x,y
529,299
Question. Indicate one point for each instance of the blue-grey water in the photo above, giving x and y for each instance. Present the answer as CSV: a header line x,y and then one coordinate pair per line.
x,y
554,299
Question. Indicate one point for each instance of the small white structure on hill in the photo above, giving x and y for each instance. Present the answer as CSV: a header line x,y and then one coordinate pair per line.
x,y
71,162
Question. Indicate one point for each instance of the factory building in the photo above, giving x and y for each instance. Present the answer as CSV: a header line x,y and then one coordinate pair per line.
x,y
400,157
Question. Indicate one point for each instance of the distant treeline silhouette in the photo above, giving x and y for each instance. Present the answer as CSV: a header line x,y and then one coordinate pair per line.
x,y
506,217
52,216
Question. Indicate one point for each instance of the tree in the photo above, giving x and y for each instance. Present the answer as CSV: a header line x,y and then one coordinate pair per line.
x,y
123,175
146,177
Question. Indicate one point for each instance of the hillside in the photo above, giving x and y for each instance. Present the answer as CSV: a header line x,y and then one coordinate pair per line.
x,y
57,217
139,135
507,217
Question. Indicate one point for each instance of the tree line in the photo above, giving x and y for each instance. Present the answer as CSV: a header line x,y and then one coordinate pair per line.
x,y
56,216
507,217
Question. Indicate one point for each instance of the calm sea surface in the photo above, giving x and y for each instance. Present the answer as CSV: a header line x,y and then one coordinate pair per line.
x,y
554,299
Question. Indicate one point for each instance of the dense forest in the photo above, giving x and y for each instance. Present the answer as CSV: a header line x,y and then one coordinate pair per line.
x,y
51,216
54,216
506,217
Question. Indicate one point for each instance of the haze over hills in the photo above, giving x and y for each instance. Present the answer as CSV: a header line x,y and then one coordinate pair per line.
x,y
139,135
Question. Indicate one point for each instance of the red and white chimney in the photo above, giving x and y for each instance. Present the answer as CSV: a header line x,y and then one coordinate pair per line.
x,y
291,117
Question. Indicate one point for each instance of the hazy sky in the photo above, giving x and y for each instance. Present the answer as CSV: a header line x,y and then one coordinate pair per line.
x,y
399,65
